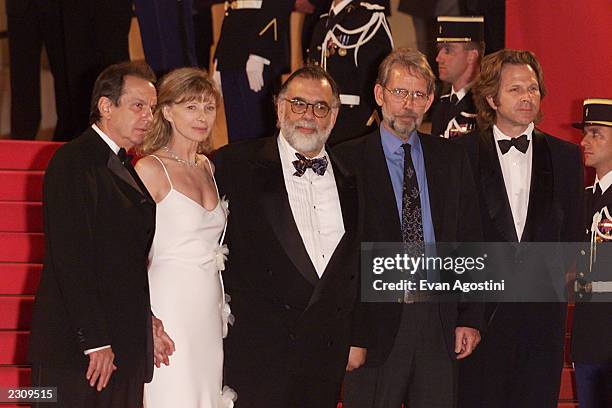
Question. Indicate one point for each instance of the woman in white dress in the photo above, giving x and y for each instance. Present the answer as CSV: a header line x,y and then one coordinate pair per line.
x,y
187,254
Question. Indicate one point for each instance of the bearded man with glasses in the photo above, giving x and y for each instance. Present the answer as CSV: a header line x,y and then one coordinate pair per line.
x,y
293,263
414,189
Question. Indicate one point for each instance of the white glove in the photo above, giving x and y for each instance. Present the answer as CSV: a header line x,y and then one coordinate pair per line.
x,y
254,70
217,78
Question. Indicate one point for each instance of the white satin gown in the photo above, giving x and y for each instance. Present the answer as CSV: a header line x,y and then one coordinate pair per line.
x,y
186,288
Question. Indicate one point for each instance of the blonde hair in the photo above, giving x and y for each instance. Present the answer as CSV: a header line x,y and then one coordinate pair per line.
x,y
178,86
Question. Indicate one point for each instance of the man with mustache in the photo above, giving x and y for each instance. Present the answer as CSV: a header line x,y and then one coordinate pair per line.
x,y
530,188
414,189
293,262
460,49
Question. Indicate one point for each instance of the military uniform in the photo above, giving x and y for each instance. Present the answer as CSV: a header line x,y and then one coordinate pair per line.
x,y
350,42
454,114
591,335
252,27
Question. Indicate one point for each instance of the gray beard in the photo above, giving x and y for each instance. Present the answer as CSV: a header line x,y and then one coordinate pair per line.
x,y
305,143
399,129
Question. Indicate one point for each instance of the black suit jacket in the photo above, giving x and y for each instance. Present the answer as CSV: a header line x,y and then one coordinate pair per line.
x,y
592,337
288,321
554,214
455,217
464,112
263,32
99,225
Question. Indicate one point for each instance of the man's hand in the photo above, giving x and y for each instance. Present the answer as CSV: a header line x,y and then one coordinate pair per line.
x,y
357,357
100,368
466,340
163,346
304,6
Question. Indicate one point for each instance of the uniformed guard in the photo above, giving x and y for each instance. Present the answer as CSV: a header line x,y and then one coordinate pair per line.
x,y
252,53
592,333
460,49
350,42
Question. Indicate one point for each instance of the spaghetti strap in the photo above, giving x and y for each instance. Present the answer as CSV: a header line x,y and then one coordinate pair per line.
x,y
212,174
166,171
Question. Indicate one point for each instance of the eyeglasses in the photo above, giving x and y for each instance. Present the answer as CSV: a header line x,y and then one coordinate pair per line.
x,y
418,98
319,109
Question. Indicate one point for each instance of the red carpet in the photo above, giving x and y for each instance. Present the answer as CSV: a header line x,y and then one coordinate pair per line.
x,y
22,167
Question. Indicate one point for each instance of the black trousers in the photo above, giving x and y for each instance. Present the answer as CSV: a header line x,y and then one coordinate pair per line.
x,y
419,369
518,363
73,390
40,23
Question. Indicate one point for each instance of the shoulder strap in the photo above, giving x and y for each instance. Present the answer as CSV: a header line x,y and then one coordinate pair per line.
x,y
212,174
165,170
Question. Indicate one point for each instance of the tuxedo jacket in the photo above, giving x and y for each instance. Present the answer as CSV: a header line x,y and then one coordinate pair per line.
x,y
464,112
263,32
99,222
592,337
288,320
454,211
554,214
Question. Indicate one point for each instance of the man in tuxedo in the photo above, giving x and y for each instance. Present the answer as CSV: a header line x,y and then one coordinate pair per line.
x,y
460,49
414,188
293,264
530,189
91,326
592,337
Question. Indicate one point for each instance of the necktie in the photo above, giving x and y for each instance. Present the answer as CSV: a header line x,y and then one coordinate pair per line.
x,y
454,99
521,144
126,159
597,194
302,164
412,222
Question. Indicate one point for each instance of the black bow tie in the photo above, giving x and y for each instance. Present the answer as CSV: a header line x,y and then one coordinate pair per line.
x,y
521,143
302,164
126,159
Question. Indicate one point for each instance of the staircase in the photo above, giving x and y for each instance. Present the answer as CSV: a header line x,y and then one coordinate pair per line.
x,y
22,165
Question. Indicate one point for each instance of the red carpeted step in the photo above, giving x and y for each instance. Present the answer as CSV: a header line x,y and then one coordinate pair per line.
x,y
19,278
16,312
14,376
21,216
14,346
22,247
21,185
568,385
567,405
26,155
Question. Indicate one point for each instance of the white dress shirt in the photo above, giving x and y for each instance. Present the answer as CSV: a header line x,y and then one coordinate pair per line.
x,y
315,205
114,146
516,169
604,183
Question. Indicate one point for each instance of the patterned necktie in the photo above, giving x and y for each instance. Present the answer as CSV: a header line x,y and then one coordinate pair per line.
x,y
412,222
302,164
521,144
